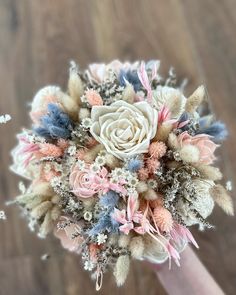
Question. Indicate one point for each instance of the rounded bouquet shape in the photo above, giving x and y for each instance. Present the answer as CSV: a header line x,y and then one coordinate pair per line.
x,y
120,166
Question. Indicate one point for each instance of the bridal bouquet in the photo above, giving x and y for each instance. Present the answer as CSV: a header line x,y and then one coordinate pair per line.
x,y
120,166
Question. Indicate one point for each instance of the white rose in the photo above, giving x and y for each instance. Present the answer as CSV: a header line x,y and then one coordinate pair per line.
x,y
124,129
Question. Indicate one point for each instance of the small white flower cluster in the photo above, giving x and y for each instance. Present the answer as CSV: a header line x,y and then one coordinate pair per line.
x,y
89,265
72,150
101,239
3,215
4,119
86,123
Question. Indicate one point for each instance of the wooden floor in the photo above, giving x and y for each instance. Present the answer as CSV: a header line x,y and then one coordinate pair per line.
x,y
37,40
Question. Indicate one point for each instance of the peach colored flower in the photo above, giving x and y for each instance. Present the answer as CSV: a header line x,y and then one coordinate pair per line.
x,y
91,142
69,235
152,165
48,149
205,146
143,174
157,149
81,154
93,97
81,182
163,218
62,143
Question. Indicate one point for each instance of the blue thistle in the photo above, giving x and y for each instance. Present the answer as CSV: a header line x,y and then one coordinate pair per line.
x,y
56,124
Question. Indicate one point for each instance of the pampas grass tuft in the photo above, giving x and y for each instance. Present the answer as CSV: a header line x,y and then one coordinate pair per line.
x,y
221,197
75,85
124,241
163,132
136,247
209,172
195,99
150,195
189,153
121,269
173,141
129,93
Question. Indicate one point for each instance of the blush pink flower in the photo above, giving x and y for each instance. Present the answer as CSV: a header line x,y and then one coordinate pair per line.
x,y
163,218
205,146
86,183
93,97
50,150
68,233
81,182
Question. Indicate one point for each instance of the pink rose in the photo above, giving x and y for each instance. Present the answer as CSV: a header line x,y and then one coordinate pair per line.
x,y
205,146
81,182
69,235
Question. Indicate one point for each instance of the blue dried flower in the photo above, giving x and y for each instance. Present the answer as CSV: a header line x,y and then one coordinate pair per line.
x,y
105,223
134,164
216,129
131,77
109,200
56,124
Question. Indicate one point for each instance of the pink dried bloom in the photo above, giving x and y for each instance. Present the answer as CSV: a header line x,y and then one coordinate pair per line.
x,y
80,154
157,202
81,183
67,231
91,142
93,97
143,174
157,149
152,165
62,143
50,150
205,146
163,218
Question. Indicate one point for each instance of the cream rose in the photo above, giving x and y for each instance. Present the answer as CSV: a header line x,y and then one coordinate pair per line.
x,y
124,129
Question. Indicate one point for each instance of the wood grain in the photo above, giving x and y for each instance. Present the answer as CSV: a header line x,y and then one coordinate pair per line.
x,y
37,41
